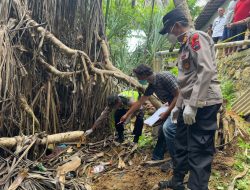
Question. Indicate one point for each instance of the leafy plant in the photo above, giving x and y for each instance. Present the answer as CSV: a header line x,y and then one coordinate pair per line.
x,y
145,141
194,9
243,184
239,165
218,179
228,91
122,19
243,144
174,71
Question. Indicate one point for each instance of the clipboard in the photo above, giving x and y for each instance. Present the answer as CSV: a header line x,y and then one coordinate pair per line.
x,y
156,116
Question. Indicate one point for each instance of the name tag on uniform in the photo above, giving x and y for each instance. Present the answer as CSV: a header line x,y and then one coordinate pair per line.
x,y
185,61
186,65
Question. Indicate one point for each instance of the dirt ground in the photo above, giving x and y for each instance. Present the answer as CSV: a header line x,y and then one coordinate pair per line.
x,y
134,177
137,177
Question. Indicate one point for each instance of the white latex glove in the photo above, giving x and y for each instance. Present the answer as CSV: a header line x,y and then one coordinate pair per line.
x,y
189,114
88,132
174,114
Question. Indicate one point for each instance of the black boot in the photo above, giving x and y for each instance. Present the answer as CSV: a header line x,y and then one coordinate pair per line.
x,y
167,166
136,139
120,137
172,184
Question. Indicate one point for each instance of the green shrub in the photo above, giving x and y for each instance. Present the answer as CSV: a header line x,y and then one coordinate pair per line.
x,y
145,141
174,71
243,184
228,91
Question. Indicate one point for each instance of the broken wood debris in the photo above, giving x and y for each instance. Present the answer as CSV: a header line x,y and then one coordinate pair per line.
x,y
64,169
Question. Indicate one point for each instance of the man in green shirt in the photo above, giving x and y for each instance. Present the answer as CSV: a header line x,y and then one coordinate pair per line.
x,y
119,104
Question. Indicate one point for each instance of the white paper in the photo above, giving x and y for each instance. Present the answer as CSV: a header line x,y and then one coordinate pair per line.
x,y
156,116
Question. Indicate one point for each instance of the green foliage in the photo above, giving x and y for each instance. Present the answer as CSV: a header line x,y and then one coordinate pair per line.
x,y
122,19
244,147
243,144
194,9
145,141
239,165
216,176
174,71
243,184
228,91
243,161
242,157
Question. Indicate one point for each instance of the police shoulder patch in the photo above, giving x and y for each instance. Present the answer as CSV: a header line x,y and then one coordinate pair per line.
x,y
194,42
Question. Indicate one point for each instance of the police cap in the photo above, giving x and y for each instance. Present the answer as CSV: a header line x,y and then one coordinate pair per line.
x,y
171,18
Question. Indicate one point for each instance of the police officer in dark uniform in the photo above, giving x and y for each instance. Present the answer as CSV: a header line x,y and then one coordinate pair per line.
x,y
197,105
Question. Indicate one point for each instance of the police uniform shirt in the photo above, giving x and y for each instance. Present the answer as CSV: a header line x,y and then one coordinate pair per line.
x,y
164,86
197,76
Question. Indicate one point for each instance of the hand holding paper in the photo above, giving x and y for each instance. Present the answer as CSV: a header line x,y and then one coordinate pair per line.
x,y
156,116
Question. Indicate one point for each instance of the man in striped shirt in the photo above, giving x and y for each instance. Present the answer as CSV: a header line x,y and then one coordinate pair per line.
x,y
164,86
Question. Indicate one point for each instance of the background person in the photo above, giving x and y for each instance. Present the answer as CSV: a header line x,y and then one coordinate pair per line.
x,y
227,33
210,30
241,12
247,33
218,25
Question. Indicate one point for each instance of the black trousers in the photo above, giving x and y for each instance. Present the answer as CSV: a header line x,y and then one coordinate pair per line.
x,y
138,124
195,148
216,39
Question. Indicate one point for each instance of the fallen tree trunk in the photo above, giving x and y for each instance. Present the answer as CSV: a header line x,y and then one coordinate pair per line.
x,y
50,139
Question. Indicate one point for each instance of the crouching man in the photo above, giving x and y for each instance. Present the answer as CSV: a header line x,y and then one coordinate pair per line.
x,y
117,106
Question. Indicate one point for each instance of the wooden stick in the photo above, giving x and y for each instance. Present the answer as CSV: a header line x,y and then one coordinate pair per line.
x,y
216,46
25,106
55,71
28,27
72,136
154,163
48,106
239,176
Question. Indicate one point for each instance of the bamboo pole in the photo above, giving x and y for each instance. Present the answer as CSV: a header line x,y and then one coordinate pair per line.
x,y
232,44
72,136
48,106
216,46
